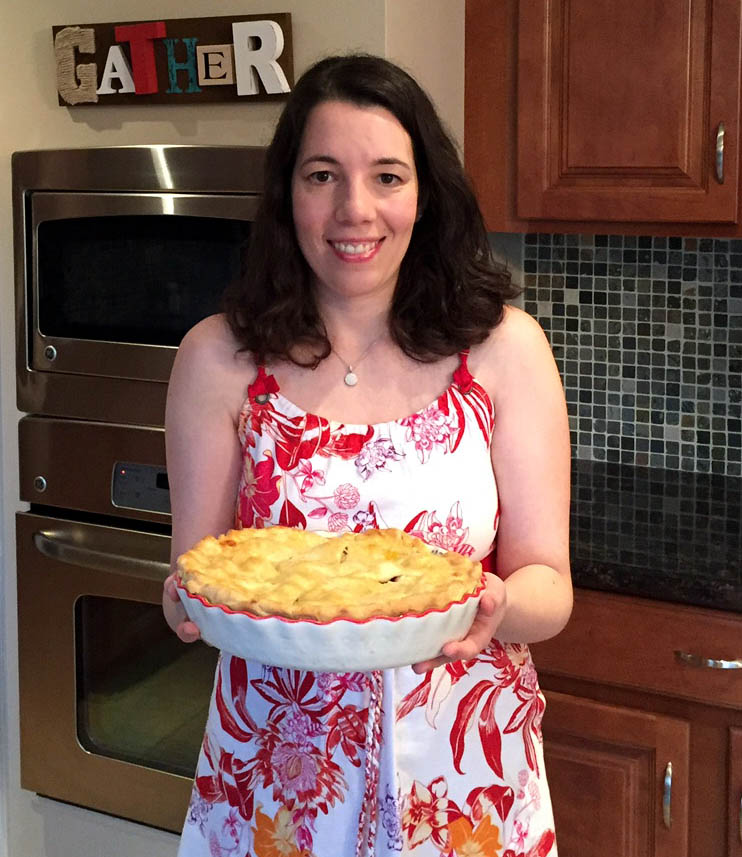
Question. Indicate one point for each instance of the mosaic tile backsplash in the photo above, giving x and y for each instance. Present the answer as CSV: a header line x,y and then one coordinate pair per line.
x,y
647,334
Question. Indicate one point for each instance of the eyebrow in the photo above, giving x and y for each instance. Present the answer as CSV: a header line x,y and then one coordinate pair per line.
x,y
328,159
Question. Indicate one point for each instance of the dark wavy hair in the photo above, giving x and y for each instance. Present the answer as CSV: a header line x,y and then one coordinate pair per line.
x,y
450,291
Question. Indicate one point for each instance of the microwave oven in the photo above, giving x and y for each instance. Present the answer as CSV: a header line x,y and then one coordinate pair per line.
x,y
118,252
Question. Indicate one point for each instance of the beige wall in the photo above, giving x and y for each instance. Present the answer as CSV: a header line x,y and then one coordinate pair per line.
x,y
426,36
428,40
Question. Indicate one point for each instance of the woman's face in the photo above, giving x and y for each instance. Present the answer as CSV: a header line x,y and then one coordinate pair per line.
x,y
354,197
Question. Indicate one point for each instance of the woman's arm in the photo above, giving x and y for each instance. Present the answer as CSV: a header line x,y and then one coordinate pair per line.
x,y
531,460
530,597
207,386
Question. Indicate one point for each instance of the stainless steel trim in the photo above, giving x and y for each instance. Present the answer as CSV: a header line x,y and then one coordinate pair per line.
x,y
53,762
76,547
667,797
116,359
707,663
189,169
719,162
87,397
218,181
76,459
60,206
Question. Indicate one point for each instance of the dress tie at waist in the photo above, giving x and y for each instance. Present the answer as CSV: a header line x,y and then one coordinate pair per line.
x,y
368,816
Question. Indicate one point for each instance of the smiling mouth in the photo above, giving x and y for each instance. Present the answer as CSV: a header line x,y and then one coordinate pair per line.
x,y
356,249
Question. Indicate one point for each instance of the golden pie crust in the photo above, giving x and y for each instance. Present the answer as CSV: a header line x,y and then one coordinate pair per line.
x,y
299,574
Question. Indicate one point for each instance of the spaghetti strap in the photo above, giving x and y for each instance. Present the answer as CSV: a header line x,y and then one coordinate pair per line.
x,y
462,377
262,387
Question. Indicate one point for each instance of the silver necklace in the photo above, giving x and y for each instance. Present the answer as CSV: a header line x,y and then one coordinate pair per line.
x,y
351,379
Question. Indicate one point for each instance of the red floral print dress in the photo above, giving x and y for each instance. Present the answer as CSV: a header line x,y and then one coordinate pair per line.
x,y
301,764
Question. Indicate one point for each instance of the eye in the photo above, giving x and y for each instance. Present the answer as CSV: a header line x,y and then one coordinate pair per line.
x,y
389,178
320,176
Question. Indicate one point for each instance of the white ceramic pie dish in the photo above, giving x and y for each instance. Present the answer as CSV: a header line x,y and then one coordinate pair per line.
x,y
341,645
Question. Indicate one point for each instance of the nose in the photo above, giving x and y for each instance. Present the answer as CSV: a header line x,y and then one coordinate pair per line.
x,y
354,203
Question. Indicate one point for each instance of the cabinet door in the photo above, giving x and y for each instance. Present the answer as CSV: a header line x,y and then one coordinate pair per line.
x,y
620,106
735,792
609,776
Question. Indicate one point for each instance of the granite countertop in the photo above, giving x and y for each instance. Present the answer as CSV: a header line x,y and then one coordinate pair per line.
x,y
662,534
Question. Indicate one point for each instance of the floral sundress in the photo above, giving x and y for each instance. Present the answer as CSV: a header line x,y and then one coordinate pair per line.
x,y
302,764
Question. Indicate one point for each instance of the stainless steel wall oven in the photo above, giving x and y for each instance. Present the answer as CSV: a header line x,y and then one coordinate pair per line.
x,y
118,251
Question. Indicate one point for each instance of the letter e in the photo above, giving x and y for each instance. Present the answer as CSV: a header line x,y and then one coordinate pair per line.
x,y
215,65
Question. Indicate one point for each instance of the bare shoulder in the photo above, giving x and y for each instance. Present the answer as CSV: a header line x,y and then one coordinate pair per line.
x,y
209,363
211,340
515,349
517,332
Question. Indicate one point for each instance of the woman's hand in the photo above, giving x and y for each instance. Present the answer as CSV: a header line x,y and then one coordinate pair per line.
x,y
175,614
489,615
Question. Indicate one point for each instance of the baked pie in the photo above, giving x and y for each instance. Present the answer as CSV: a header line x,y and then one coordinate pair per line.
x,y
300,574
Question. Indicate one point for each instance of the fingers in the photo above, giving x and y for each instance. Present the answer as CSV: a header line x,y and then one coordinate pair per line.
x,y
175,613
188,632
464,650
481,632
427,666
461,650
487,605
170,588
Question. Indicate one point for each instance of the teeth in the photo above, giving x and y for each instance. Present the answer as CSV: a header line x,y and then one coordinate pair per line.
x,y
354,249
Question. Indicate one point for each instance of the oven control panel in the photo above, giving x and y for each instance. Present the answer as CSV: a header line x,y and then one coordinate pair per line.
x,y
140,486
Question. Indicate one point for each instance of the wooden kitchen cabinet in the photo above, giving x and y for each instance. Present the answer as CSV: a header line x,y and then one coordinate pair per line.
x,y
735,792
621,704
604,118
618,779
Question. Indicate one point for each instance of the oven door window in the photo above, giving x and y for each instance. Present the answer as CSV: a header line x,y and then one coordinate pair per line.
x,y
142,694
142,279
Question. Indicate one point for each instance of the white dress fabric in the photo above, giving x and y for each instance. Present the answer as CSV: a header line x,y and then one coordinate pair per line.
x,y
302,764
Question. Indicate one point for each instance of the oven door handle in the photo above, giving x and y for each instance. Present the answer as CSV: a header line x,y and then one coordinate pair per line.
x,y
54,545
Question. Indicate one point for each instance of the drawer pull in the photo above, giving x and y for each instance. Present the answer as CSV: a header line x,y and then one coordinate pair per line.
x,y
708,663
667,797
719,161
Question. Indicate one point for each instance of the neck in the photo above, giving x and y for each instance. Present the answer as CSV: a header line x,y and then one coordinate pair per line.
x,y
352,323
350,335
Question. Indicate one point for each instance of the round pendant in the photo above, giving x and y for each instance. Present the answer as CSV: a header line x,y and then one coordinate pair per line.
x,y
351,379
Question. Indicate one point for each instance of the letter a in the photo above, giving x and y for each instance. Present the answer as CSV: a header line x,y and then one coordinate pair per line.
x,y
117,68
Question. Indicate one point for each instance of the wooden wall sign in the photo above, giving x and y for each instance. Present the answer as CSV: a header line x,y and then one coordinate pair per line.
x,y
174,61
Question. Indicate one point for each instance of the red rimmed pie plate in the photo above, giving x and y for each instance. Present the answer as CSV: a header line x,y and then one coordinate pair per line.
x,y
341,645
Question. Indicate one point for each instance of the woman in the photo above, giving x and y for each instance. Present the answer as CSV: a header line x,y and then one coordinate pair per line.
x,y
372,322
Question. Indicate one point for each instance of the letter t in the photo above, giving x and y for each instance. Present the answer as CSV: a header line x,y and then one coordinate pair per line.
x,y
140,38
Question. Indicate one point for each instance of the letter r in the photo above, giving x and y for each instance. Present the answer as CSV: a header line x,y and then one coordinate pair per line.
x,y
252,62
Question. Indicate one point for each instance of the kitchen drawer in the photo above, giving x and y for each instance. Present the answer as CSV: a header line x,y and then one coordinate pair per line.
x,y
632,642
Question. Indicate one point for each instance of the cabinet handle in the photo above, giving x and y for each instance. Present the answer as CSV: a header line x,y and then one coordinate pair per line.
x,y
709,663
667,797
740,819
720,153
